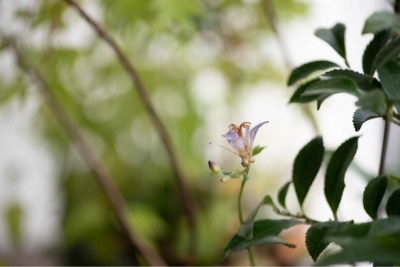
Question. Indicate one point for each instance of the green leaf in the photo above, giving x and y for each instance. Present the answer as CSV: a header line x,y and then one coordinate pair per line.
x,y
246,229
363,82
394,178
373,195
282,194
379,244
372,49
309,68
332,86
336,170
316,236
322,89
257,150
306,166
298,97
390,51
393,204
362,115
389,75
265,232
335,38
380,21
374,101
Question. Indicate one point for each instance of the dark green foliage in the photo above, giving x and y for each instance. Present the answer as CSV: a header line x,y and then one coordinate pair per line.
x,y
363,82
298,96
317,236
377,242
335,37
362,115
265,232
381,21
373,195
309,68
372,49
246,229
282,194
393,204
336,170
389,52
390,79
306,166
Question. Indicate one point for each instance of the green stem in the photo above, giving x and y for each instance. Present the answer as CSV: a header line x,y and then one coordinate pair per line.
x,y
239,207
297,216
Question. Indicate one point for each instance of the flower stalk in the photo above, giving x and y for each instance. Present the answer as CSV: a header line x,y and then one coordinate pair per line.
x,y
239,208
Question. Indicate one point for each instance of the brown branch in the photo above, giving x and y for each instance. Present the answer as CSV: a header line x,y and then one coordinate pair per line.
x,y
272,19
185,197
100,173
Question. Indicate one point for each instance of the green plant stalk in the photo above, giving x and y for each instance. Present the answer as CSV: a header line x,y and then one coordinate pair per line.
x,y
388,118
239,208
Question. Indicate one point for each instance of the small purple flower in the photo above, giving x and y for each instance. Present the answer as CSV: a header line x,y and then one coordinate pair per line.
x,y
241,139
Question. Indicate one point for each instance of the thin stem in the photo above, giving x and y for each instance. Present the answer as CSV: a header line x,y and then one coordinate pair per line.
x,y
385,141
239,202
101,174
185,197
239,208
297,216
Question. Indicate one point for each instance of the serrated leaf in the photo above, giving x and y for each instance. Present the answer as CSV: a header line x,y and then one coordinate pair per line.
x,y
306,166
246,229
373,195
362,115
390,51
316,236
374,101
363,82
265,232
257,150
298,97
393,204
336,170
372,49
309,68
322,89
282,194
335,38
331,86
389,74
380,21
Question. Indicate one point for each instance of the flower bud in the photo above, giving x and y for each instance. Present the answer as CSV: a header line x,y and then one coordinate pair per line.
x,y
214,167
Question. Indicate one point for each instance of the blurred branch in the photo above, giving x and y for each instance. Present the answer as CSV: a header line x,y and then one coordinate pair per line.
x,y
101,174
397,6
273,21
186,199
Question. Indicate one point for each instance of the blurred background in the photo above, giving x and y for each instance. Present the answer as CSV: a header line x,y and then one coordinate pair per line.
x,y
206,64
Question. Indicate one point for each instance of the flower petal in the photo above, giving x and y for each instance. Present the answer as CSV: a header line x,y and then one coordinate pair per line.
x,y
231,136
253,133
